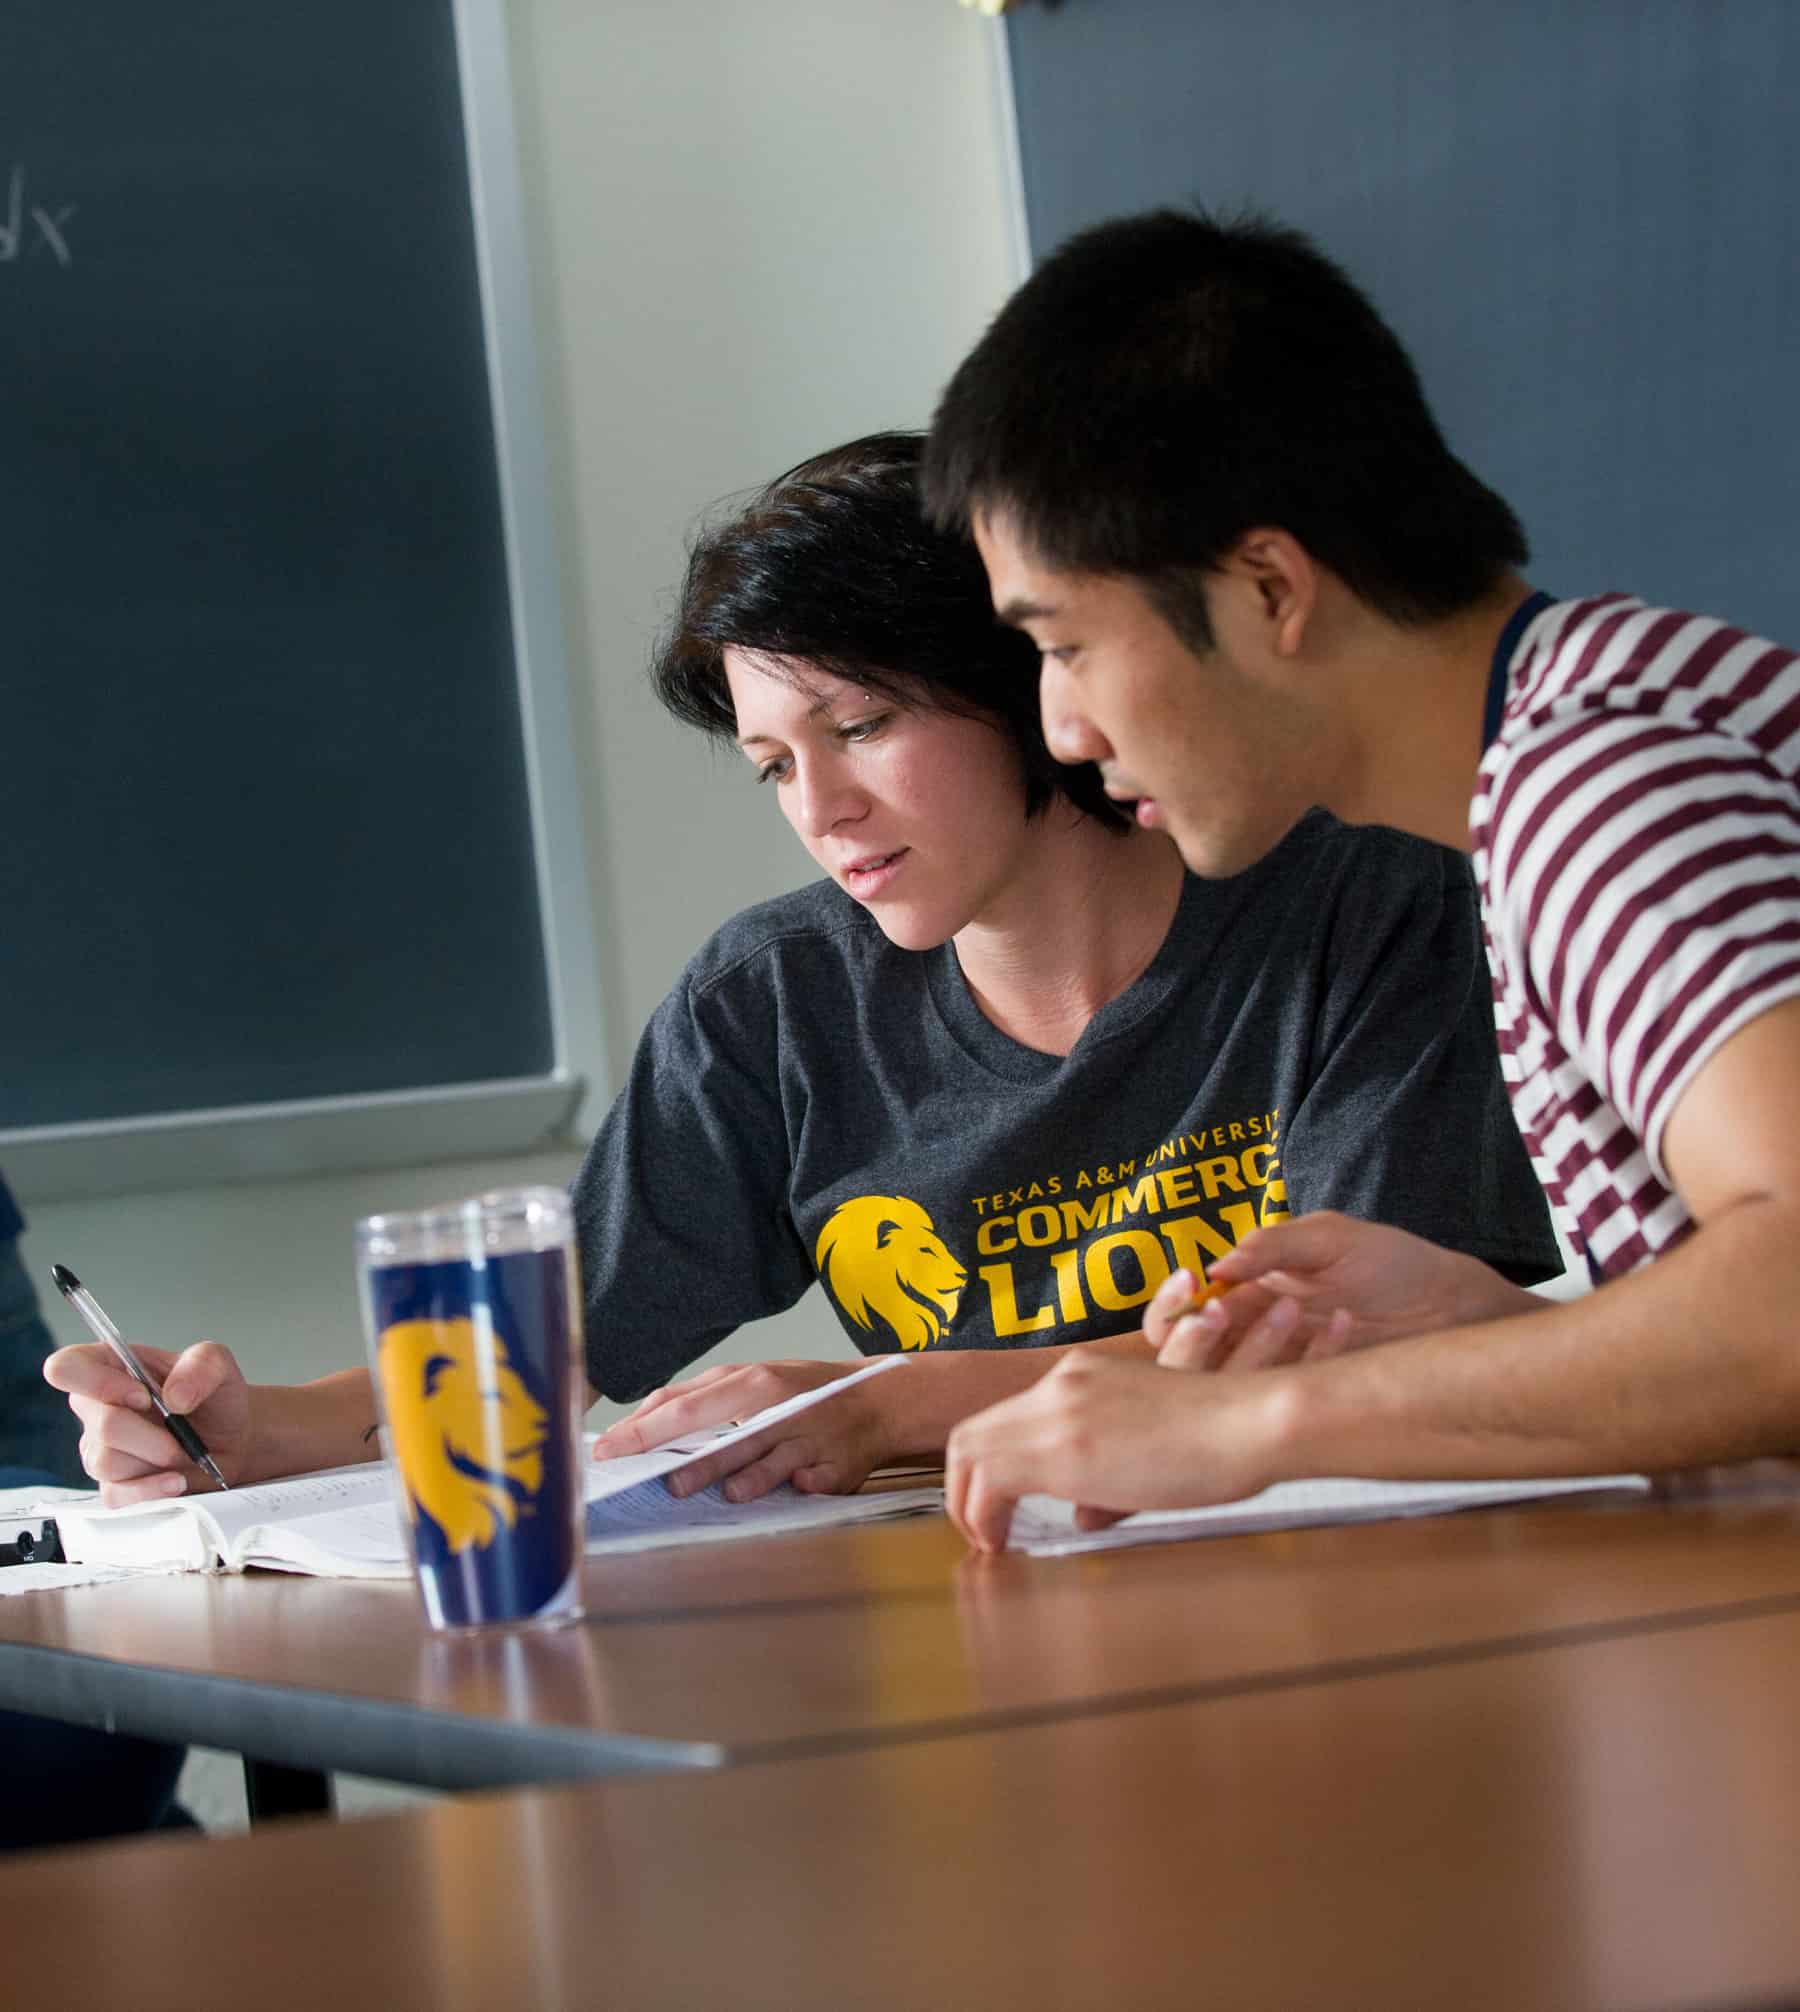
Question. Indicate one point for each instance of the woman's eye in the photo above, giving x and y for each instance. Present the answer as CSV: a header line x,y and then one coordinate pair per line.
x,y
1061,652
862,730
774,771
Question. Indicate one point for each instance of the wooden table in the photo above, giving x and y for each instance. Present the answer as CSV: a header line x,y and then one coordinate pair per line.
x,y
871,1636
1606,1815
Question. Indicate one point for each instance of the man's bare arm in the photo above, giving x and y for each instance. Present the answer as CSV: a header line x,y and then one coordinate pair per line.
x,y
1694,1359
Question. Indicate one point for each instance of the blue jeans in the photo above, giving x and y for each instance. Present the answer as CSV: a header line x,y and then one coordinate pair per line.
x,y
70,1784
62,1783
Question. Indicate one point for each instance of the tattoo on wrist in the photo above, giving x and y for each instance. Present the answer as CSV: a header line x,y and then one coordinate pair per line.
x,y
370,1434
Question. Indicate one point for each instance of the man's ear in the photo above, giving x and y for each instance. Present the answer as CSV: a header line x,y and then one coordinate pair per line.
x,y
1283,580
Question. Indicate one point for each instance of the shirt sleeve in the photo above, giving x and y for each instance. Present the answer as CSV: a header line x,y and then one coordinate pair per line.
x,y
1405,1118
681,1208
1643,878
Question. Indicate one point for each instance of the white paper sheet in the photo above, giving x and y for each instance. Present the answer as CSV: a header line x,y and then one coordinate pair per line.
x,y
1044,1527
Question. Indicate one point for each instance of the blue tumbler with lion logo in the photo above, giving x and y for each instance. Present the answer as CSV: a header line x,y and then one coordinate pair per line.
x,y
474,1324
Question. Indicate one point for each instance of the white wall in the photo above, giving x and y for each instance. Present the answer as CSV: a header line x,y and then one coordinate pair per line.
x,y
756,229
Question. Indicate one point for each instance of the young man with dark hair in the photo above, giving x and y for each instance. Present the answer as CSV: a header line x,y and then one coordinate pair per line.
x,y
1205,481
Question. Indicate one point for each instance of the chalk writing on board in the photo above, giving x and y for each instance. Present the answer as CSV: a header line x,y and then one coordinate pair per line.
x,y
31,228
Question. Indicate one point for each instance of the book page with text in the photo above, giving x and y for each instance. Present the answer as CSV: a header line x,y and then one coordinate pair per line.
x,y
195,1532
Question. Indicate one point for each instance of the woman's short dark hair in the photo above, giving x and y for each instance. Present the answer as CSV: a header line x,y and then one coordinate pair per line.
x,y
1164,383
833,566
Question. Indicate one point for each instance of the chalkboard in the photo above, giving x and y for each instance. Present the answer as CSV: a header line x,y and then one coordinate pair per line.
x,y
272,834
1579,218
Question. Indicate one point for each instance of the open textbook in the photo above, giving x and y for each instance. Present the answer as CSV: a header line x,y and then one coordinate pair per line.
x,y
1044,1527
345,1522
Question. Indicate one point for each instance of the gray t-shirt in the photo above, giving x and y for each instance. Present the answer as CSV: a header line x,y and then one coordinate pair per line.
x,y
811,1102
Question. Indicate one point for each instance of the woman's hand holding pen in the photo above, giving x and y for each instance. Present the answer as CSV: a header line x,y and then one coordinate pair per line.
x,y
125,1446
831,1450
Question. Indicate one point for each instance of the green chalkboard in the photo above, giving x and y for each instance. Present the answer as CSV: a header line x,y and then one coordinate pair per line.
x,y
266,810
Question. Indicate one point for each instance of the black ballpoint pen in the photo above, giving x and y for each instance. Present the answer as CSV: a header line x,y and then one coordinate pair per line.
x,y
91,1312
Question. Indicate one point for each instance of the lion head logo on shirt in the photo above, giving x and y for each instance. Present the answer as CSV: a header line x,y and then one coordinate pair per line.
x,y
879,1254
467,1435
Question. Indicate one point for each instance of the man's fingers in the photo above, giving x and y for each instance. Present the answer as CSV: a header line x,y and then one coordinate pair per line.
x,y
987,1516
1190,1343
956,1479
1206,1340
1333,1339
1253,1328
1167,1305
1267,1340
1306,1244
1286,1334
979,1509
1180,1294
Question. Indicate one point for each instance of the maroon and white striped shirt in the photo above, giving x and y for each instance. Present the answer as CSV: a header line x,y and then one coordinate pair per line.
x,y
1636,827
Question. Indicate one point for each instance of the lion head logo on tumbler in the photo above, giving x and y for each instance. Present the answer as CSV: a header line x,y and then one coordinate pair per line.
x,y
475,1341
466,1434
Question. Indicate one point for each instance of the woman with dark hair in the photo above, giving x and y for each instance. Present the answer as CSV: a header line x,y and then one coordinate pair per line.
x,y
833,567
992,1080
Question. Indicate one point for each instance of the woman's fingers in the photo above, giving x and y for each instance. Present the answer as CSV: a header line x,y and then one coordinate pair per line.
x,y
780,1464
711,1398
672,1393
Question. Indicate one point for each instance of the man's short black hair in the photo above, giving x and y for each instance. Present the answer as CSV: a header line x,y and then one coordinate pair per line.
x,y
1165,383
834,566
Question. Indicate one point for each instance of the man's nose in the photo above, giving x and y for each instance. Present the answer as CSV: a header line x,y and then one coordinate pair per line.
x,y
1068,732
